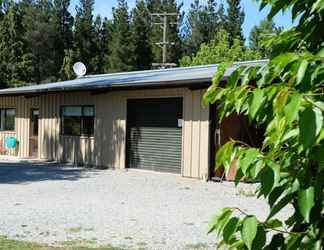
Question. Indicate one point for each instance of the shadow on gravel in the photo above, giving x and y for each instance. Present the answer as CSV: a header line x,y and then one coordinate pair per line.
x,y
23,173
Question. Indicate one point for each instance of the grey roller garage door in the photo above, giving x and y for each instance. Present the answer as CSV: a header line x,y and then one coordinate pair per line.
x,y
154,134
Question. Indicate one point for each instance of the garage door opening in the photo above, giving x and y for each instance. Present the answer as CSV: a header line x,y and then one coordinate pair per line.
x,y
154,134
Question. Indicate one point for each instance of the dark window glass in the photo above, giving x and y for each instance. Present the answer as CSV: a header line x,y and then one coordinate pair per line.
x,y
77,120
35,122
7,119
88,125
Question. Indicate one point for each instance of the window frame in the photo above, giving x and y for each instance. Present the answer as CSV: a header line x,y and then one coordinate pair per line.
x,y
5,120
81,120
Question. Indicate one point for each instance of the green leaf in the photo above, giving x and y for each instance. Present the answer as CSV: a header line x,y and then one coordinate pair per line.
x,y
256,102
321,52
260,239
249,156
221,69
318,5
239,175
249,230
318,155
280,205
267,177
275,194
306,202
311,122
219,220
301,71
234,77
294,242
224,156
292,108
274,223
230,229
290,134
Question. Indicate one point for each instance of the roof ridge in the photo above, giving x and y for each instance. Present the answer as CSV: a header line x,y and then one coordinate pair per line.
x,y
170,69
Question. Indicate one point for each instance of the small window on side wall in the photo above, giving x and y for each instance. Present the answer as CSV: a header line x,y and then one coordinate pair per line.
x,y
77,120
7,119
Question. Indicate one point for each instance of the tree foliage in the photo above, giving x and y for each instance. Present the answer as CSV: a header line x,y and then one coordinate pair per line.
x,y
234,20
141,27
220,50
42,38
259,36
15,65
201,24
85,45
122,57
285,98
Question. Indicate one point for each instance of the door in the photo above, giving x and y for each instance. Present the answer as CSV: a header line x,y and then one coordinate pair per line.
x,y
33,140
154,134
234,127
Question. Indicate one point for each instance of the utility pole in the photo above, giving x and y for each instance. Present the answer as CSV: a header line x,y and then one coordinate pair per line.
x,y
164,22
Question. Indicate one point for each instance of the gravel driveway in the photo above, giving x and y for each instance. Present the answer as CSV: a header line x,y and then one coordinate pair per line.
x,y
130,209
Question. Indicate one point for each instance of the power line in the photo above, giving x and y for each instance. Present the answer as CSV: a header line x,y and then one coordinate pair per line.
x,y
164,21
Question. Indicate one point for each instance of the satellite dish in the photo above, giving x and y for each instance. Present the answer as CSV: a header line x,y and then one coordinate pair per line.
x,y
79,69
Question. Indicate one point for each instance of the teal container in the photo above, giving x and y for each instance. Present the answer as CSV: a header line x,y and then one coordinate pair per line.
x,y
11,142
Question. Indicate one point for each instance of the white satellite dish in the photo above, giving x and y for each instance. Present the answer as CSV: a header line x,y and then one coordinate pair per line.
x,y
79,69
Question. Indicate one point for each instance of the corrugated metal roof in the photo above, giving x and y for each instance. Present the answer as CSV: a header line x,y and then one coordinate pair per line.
x,y
149,78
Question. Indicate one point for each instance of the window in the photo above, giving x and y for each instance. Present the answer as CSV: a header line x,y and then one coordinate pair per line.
x,y
7,119
77,120
34,122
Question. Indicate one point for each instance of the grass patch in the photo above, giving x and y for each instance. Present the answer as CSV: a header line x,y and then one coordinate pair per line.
x,y
74,229
8,244
246,193
197,246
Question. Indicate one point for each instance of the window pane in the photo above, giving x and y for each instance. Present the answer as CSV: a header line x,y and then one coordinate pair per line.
x,y
72,111
2,119
10,119
71,125
88,111
88,126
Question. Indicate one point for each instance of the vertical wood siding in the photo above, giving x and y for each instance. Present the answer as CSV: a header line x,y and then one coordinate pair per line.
x,y
196,136
23,107
108,146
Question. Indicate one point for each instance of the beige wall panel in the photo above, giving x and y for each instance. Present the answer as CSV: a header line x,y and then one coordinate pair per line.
x,y
108,146
22,106
196,136
195,148
187,134
204,141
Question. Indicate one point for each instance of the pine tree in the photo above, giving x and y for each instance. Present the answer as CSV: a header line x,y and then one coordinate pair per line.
x,y
122,51
235,19
101,44
15,65
66,71
84,37
40,39
140,36
201,24
64,23
1,9
262,33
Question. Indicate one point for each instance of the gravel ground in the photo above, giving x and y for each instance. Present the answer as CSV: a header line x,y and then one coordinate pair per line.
x,y
130,209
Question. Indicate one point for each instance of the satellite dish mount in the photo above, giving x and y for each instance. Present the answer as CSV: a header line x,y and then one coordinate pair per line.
x,y
79,69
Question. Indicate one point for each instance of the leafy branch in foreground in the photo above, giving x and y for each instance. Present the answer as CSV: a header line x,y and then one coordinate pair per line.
x,y
285,98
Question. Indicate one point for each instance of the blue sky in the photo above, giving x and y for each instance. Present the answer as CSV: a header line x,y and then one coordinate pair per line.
x,y
252,14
